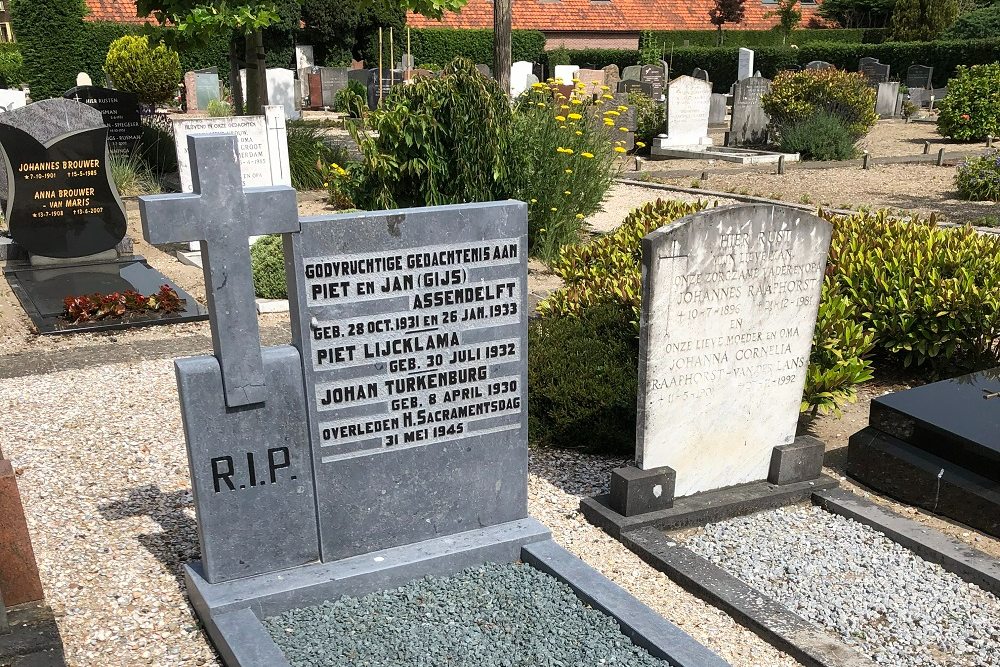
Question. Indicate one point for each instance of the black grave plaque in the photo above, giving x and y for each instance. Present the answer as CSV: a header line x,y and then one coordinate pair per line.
x,y
120,111
655,77
631,86
62,202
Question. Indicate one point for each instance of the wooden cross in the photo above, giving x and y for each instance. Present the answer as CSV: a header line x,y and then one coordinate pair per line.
x,y
222,215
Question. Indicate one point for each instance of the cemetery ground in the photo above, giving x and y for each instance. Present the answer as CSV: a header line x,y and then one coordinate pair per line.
x,y
112,519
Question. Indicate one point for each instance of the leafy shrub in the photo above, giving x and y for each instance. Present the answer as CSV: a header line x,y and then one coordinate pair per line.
x,y
981,23
219,109
440,140
11,69
152,73
562,163
309,149
558,56
648,117
351,100
821,136
929,295
267,262
798,96
978,178
922,19
971,109
583,376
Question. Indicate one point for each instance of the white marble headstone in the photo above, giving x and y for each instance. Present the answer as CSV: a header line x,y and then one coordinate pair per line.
x,y
744,68
519,75
566,73
304,56
11,99
688,104
281,90
729,305
83,79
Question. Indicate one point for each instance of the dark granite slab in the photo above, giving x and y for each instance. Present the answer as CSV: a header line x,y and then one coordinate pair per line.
x,y
951,419
41,292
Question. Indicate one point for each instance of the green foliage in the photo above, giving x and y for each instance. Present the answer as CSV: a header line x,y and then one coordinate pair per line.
x,y
914,20
309,150
971,109
858,13
132,176
600,57
663,41
799,96
788,18
351,100
821,136
562,162
267,262
440,140
150,73
50,64
726,11
980,23
582,374
978,178
648,117
11,68
351,27
156,146
558,56
442,45
930,295
219,109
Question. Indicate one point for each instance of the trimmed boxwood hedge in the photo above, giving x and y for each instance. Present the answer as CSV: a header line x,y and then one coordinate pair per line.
x,y
442,45
757,38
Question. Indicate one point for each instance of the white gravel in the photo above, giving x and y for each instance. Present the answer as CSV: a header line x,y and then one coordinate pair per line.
x,y
877,595
621,199
104,480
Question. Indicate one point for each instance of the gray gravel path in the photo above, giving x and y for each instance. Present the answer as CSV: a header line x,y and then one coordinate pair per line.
x,y
878,596
491,616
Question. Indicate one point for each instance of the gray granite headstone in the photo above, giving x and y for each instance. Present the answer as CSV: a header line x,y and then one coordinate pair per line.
x,y
243,409
819,64
700,73
717,109
206,88
874,71
749,122
48,119
612,77
919,77
729,305
412,327
631,73
485,70
332,80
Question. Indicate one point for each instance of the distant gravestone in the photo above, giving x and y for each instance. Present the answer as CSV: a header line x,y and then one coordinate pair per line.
x,y
520,72
874,71
61,200
206,88
332,81
688,103
656,77
485,70
12,99
592,79
565,74
886,98
919,77
729,305
281,91
304,58
699,73
538,69
631,86
749,122
120,111
744,66
631,73
819,64
717,109
380,86
83,79
612,77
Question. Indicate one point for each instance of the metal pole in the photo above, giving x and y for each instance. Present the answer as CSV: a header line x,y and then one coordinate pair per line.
x,y
392,59
380,66
409,52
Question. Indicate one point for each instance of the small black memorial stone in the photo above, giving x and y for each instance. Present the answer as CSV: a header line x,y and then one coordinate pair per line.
x,y
62,202
120,111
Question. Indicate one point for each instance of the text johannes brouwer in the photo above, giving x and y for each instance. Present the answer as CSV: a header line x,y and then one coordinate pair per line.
x,y
433,364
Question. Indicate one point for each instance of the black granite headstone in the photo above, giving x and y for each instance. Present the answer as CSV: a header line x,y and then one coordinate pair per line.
x,y
655,77
120,111
62,202
918,77
630,86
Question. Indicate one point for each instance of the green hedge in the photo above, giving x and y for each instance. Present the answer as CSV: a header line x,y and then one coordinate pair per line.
x,y
442,45
756,38
600,57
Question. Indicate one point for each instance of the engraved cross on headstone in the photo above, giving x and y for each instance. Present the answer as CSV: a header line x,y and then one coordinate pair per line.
x,y
222,215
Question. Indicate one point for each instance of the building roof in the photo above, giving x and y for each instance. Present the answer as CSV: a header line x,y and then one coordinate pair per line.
x,y
601,15
119,11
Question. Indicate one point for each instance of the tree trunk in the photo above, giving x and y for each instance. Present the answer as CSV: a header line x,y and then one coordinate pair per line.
x,y
502,19
259,56
235,86
253,100
719,40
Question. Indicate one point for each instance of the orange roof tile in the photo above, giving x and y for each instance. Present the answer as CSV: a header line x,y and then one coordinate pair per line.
x,y
119,11
602,16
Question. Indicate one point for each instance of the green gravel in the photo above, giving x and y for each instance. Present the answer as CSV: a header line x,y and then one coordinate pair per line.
x,y
496,615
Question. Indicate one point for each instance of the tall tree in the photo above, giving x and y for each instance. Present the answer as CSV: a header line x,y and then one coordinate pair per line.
x,y
502,24
788,18
726,11
920,20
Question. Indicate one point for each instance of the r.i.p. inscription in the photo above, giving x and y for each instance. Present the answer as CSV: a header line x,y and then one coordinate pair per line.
x,y
414,359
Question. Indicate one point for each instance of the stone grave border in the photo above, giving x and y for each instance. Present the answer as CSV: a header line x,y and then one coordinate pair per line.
x,y
777,625
232,611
